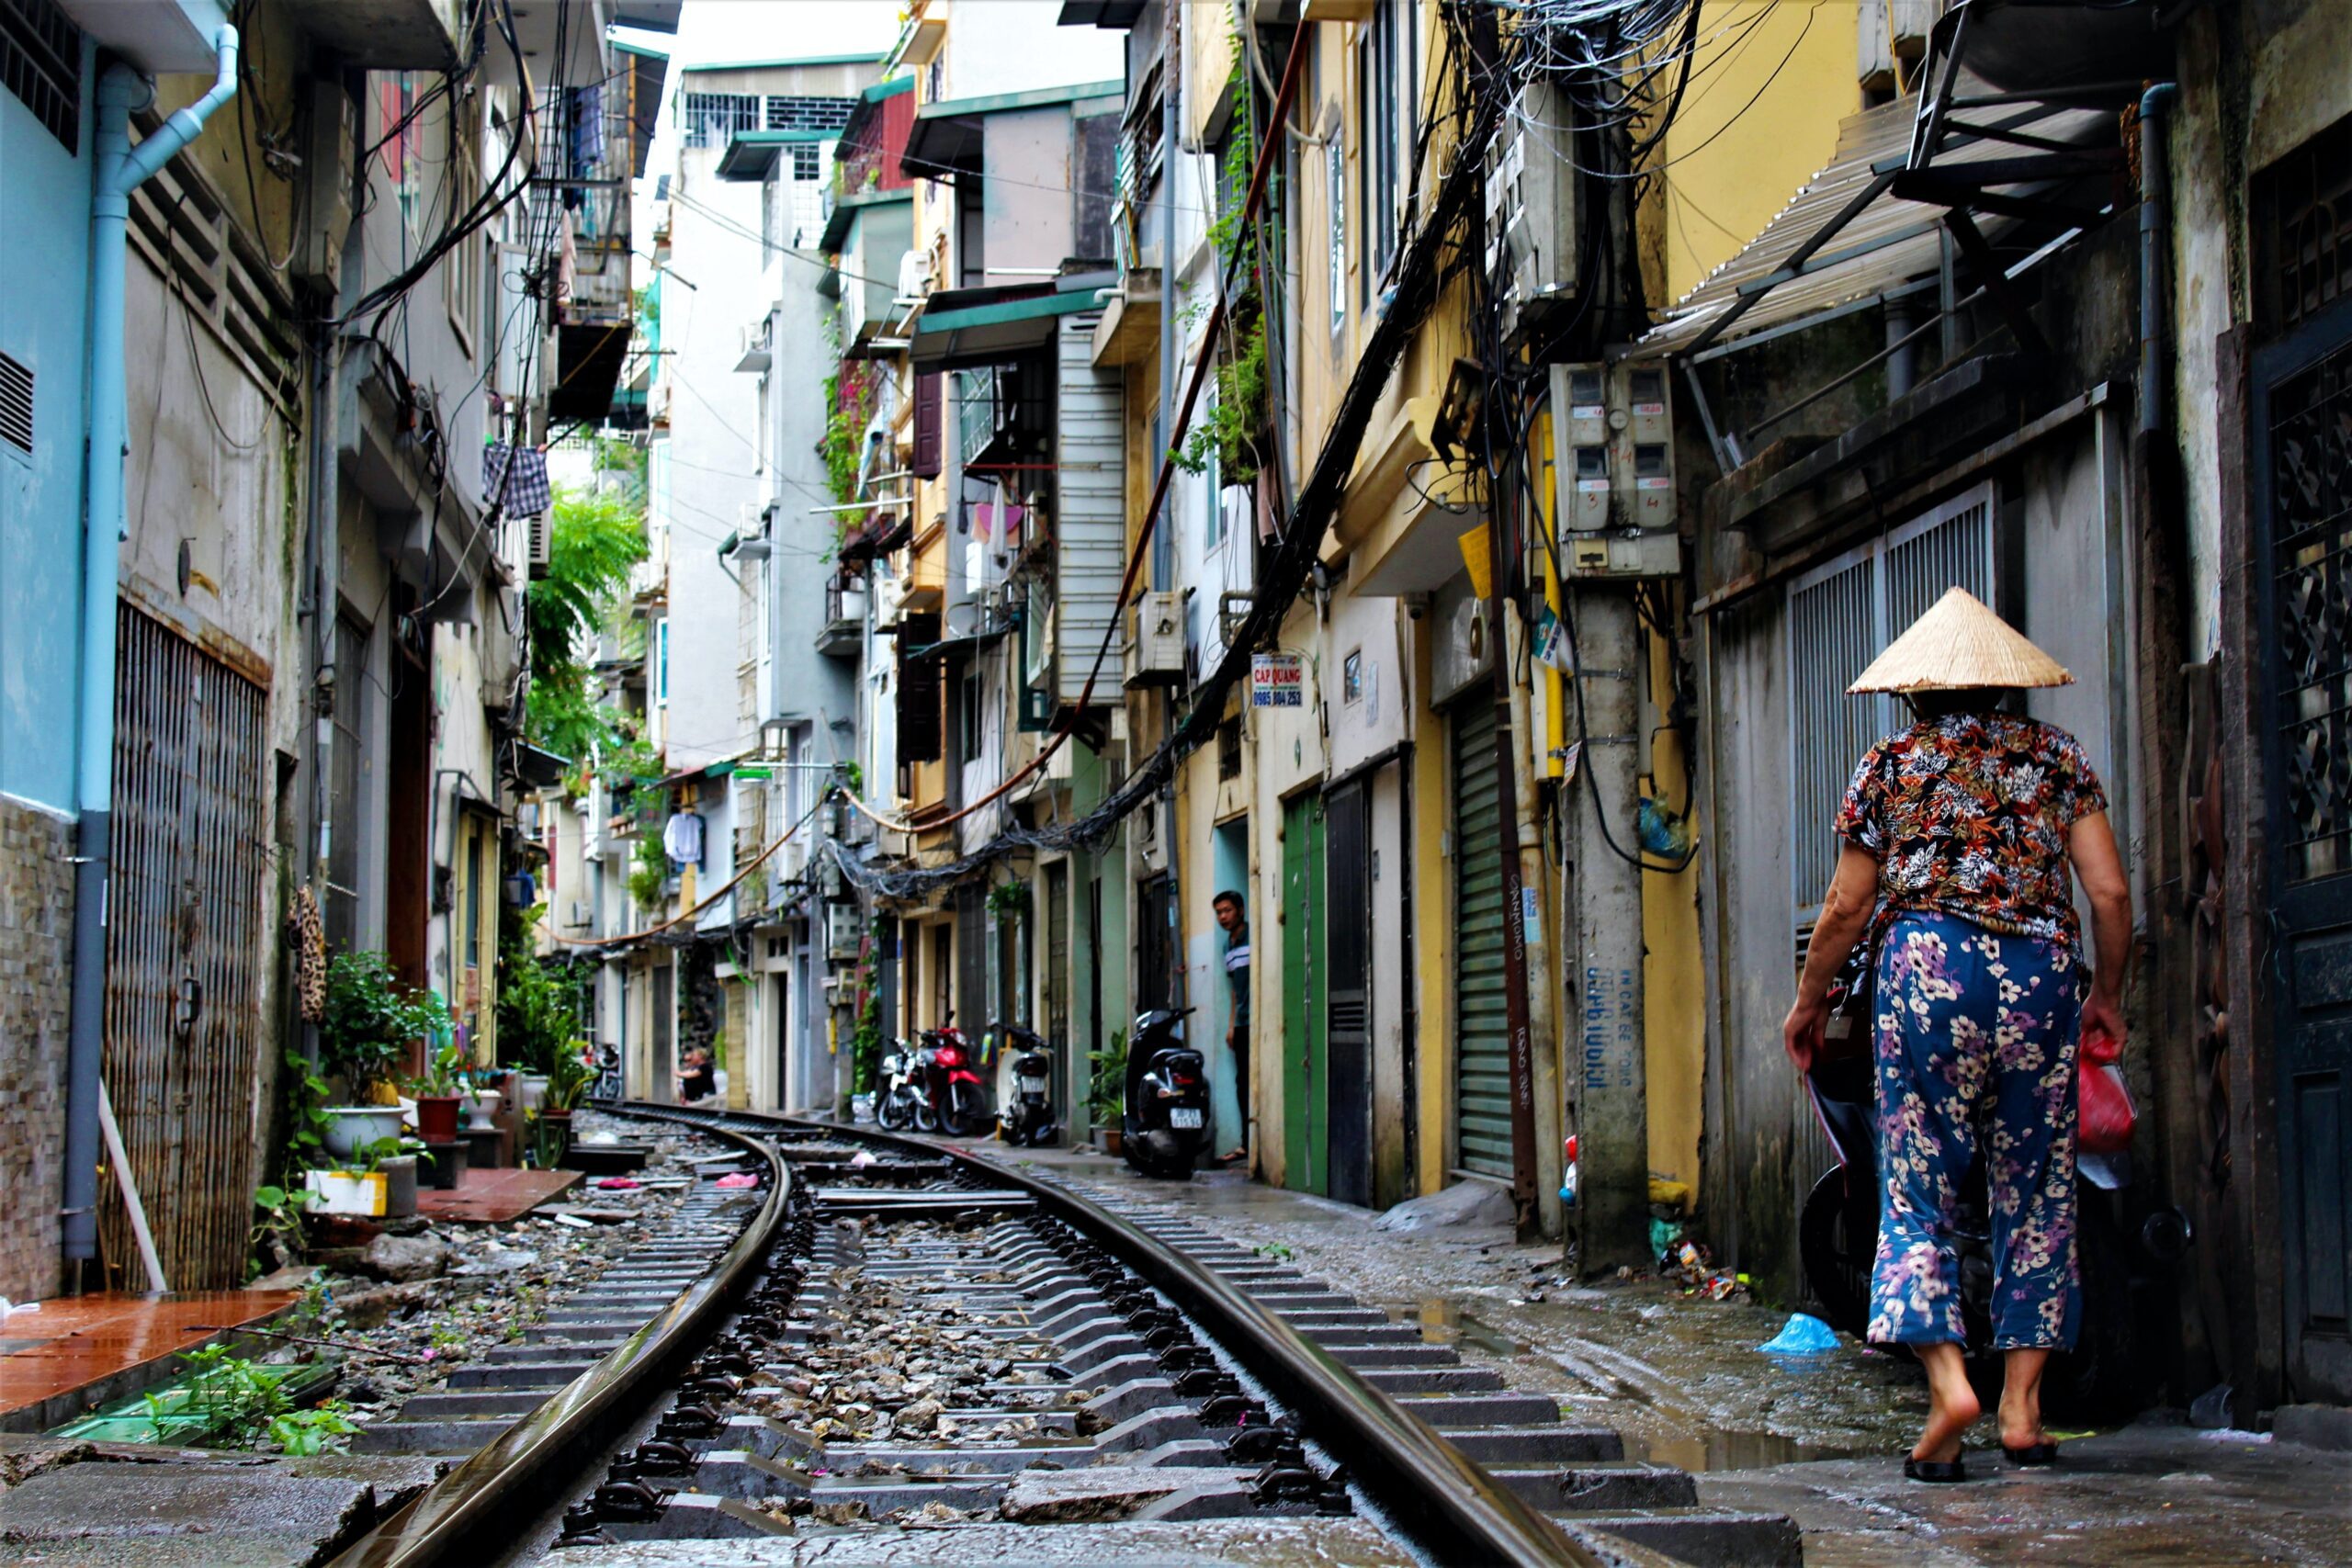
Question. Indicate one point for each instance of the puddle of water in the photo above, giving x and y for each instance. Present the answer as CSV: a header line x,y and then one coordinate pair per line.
x,y
1727,1450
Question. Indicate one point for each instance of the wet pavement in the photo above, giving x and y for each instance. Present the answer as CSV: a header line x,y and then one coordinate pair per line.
x,y
1818,1438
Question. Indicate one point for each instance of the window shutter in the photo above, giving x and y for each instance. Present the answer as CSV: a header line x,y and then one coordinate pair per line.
x,y
926,462
920,720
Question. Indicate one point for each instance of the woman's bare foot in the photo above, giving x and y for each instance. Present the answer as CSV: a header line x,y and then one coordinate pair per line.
x,y
1953,1407
2021,1398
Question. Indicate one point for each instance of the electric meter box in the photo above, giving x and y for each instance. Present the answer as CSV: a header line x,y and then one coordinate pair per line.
x,y
1612,433
1532,205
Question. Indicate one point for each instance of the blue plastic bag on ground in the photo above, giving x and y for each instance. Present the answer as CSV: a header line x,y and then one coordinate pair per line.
x,y
1801,1336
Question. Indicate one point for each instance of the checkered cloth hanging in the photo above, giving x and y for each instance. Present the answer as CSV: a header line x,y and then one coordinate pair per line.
x,y
526,488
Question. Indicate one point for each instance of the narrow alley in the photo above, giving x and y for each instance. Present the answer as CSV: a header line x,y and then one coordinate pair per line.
x,y
1229,780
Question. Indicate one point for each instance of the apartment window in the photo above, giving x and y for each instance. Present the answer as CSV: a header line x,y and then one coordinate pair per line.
x,y
40,61
713,118
1229,749
662,663
2302,230
1212,480
1351,677
461,274
1387,96
1335,182
975,731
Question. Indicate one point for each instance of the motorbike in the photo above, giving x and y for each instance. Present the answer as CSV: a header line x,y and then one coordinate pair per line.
x,y
956,1105
896,1095
1027,1117
1165,1123
1837,1243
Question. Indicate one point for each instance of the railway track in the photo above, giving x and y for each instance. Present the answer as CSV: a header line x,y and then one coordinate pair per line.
x,y
910,1354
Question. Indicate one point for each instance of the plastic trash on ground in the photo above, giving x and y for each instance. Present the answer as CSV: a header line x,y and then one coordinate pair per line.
x,y
737,1181
861,1159
1801,1336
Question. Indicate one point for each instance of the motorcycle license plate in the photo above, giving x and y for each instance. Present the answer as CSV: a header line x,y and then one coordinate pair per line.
x,y
1184,1119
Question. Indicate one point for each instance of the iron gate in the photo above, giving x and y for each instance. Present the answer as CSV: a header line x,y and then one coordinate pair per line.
x,y
185,950
2302,489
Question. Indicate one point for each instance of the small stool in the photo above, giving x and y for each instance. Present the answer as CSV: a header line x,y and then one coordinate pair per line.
x,y
449,1164
484,1146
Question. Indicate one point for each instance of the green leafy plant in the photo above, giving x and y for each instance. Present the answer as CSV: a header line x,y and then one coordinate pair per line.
x,y
307,1122
1279,1251
1106,1080
1009,901
326,1430
850,394
234,1397
369,1156
279,1228
371,1020
537,1006
595,537
648,872
570,1076
444,1069
865,1042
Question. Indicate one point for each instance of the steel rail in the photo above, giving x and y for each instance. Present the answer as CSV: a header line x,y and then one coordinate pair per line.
x,y
470,1516
1444,1501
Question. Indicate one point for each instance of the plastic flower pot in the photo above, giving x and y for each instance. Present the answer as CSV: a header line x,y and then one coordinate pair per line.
x,y
530,1090
555,1138
437,1118
400,1185
350,1127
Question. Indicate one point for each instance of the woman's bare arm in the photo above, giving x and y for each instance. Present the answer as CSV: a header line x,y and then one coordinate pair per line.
x,y
2098,868
1845,916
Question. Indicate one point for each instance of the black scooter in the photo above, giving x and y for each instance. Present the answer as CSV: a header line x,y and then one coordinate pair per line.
x,y
1165,1125
1026,1119
1838,1241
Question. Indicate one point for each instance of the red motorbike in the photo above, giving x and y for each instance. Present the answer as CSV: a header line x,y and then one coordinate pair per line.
x,y
958,1107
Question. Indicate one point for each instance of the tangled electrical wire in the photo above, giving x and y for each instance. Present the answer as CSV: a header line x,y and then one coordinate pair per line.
x,y
1419,275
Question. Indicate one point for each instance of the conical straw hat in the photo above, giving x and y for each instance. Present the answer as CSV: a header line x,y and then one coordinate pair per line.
x,y
1959,645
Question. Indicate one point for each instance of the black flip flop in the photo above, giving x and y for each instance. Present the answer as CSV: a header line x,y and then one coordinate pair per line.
x,y
1942,1472
2030,1455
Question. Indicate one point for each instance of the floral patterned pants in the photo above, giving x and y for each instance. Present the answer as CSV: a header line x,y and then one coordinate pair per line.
x,y
1975,1039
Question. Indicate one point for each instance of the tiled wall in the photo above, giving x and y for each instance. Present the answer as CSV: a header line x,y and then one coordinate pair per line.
x,y
35,962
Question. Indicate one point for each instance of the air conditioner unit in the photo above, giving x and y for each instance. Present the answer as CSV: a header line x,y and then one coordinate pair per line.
x,y
539,538
754,344
1154,649
578,914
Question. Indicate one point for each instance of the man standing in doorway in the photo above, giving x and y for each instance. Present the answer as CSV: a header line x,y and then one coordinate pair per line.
x,y
1234,917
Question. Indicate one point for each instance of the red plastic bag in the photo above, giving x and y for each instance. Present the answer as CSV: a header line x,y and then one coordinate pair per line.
x,y
2106,1121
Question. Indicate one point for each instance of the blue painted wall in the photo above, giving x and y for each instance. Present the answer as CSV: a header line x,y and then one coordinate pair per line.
x,y
44,324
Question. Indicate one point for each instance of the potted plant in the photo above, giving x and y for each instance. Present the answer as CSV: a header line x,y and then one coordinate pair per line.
x,y
570,1076
482,1103
371,1023
437,1092
1106,1090
535,1009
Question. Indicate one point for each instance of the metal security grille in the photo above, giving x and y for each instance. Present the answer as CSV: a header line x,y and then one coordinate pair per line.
x,y
16,403
1841,616
186,945
2312,534
41,62
1481,1021
712,119
2303,228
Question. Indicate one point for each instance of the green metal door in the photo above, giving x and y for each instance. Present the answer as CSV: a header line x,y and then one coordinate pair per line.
x,y
1481,1029
1306,1112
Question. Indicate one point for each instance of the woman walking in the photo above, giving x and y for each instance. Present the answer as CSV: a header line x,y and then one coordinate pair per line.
x,y
1959,833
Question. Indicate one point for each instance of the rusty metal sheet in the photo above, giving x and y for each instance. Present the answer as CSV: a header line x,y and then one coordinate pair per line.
x,y
186,943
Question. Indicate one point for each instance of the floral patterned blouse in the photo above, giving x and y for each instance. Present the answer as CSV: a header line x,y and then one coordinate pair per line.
x,y
1968,815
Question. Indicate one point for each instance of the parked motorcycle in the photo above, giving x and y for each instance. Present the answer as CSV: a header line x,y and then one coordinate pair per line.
x,y
958,1107
1165,1123
1025,1088
897,1093
1838,1245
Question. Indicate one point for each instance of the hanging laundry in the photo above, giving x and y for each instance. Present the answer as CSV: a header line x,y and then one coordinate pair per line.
x,y
682,838
514,480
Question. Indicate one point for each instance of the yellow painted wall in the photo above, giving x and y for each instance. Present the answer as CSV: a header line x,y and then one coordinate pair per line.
x,y
1674,982
1786,73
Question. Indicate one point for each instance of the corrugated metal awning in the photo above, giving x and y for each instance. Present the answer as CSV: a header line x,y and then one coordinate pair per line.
x,y
985,333
1845,236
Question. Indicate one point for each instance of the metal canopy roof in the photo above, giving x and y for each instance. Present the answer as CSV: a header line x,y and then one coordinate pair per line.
x,y
946,134
1845,236
752,153
985,334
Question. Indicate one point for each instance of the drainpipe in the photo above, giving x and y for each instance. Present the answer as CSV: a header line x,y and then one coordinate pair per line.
x,y
2156,224
121,169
